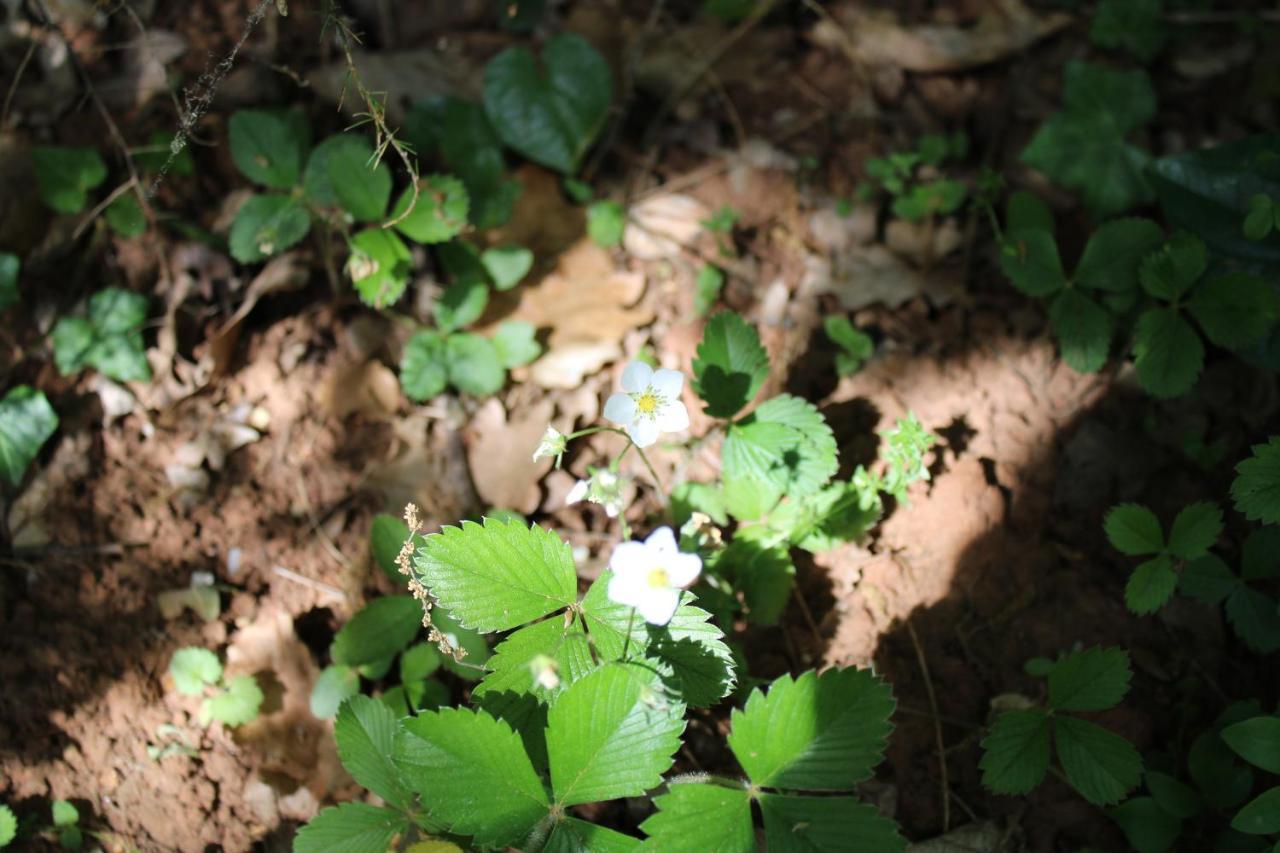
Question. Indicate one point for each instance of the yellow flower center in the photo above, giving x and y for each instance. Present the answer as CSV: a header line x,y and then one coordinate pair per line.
x,y
658,578
647,403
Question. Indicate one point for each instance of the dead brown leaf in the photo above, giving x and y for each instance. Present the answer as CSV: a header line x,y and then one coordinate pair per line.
x,y
371,388
500,452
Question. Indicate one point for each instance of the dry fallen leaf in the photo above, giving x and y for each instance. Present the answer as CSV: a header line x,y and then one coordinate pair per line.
x,y
660,227
399,77
372,389
865,275
500,452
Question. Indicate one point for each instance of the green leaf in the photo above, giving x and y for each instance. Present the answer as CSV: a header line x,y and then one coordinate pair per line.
x,y
472,643
1261,816
115,311
9,266
1223,781
26,422
1114,253
121,357
1173,797
379,266
540,659
612,734
424,372
473,152
1260,557
763,574
701,818
817,733
1099,764
516,343
1147,826
1150,585
578,836
1015,753
938,197
1026,211
350,828
1083,329
730,366
1207,579
387,536
473,364
1170,271
1168,353
378,632
420,661
268,147
266,225
193,668
72,339
1195,530
65,176
65,813
1135,26
8,825
334,685
840,512
507,265
857,346
795,824
1236,310
461,304
125,217
1091,680
1030,259
1134,530
499,575
707,289
550,114
1260,219
1254,617
236,705
786,443
473,775
438,214
366,733
1257,741
1256,488
349,174
605,222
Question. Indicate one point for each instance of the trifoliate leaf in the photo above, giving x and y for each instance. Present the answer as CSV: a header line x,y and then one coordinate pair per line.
x,y
8,825
472,774
550,114
266,225
9,266
1150,585
1083,329
366,733
516,342
193,668
541,659
424,373
387,536
764,574
357,180
1147,826
1015,753
473,364
334,685
1030,259
1254,617
1114,253
1135,26
1195,530
1134,530
1091,680
236,705
1168,353
379,266
1261,815
701,818
26,423
379,631
269,147
571,835
817,733
730,366
1257,741
612,734
1100,765
125,216
1207,579
1256,488
605,223
499,575
350,828
65,176
794,824
1236,310
785,443
1260,556
507,265
461,304
1169,271
438,214
1174,797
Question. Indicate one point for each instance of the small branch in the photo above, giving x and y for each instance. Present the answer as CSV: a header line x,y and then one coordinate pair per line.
x,y
944,782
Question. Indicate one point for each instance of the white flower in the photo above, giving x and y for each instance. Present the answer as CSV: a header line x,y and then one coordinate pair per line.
x,y
551,444
602,487
649,403
649,575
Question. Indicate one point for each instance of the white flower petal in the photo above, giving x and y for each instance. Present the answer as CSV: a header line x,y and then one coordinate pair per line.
x,y
660,543
577,493
636,377
628,590
668,383
620,409
673,417
683,569
659,605
643,431
632,559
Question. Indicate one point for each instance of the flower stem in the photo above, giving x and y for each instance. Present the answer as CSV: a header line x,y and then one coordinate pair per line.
x,y
631,618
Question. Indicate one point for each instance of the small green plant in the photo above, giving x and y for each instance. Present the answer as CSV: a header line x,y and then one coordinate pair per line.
x,y
107,338
66,822
721,224
1100,765
1134,26
855,346
605,222
706,289
1135,531
909,178
27,421
231,701
8,826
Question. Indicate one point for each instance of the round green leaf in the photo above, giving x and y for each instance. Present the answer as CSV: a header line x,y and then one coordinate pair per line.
x,y
26,423
1147,826
1083,330
65,176
1257,741
516,343
342,171
125,217
1261,815
507,265
461,304
473,364
1259,221
379,631
266,225
1168,353
8,825
1030,259
1195,530
1114,252
193,668
115,311
334,685
236,705
1174,797
605,222
379,266
65,813
268,146
1236,310
423,368
1169,271
1150,585
1207,579
1134,530
438,214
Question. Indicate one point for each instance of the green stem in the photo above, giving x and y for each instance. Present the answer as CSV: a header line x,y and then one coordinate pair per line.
x,y
631,618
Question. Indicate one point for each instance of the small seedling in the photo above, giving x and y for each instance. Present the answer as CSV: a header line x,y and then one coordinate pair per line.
x,y
232,702
107,338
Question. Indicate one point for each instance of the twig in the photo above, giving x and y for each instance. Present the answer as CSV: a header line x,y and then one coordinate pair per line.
x,y
937,728
808,615
102,206
13,87
318,586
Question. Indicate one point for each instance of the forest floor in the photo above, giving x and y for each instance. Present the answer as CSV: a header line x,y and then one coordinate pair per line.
x,y
276,428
